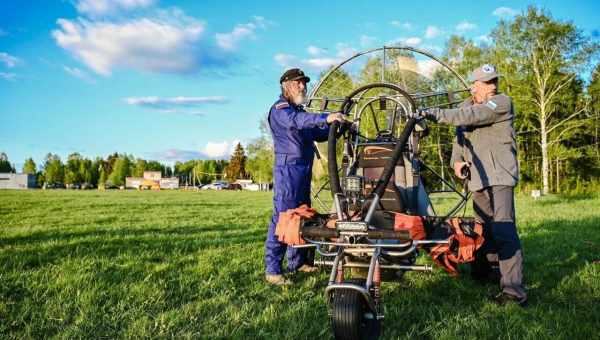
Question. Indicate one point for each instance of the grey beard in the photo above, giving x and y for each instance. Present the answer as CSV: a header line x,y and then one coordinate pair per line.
x,y
299,99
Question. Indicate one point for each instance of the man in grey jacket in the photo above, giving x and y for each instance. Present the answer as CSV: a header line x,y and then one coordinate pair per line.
x,y
485,145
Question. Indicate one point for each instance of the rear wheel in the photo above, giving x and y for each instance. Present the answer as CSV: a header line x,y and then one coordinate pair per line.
x,y
351,319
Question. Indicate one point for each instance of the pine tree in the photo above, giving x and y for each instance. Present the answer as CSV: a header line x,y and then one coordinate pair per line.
x,y
237,165
5,165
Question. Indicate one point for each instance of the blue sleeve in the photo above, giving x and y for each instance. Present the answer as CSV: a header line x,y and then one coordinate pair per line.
x,y
290,118
320,134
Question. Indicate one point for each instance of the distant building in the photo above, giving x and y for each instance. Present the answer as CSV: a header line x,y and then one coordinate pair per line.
x,y
152,175
169,183
133,182
152,180
17,181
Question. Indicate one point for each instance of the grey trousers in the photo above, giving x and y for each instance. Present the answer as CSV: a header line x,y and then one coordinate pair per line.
x,y
495,206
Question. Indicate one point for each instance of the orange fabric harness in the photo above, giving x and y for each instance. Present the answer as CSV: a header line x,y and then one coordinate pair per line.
x,y
288,225
465,247
443,254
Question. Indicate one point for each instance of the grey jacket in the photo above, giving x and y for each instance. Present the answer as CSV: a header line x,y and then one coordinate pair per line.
x,y
485,138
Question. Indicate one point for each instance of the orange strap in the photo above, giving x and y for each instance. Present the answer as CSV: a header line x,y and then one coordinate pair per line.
x,y
439,254
466,245
449,260
288,225
414,224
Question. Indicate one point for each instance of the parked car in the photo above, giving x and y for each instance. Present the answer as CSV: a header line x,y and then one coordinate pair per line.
x,y
219,185
53,186
234,186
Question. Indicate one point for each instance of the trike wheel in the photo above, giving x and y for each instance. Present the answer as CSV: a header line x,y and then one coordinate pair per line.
x,y
351,319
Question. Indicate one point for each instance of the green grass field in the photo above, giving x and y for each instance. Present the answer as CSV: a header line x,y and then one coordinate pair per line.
x,y
190,265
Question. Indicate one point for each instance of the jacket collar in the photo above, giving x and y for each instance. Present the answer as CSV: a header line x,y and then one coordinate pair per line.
x,y
282,98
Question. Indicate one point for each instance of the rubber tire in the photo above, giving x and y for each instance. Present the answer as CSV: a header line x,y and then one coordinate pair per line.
x,y
347,316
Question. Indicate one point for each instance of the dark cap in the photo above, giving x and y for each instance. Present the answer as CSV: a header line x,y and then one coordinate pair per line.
x,y
293,74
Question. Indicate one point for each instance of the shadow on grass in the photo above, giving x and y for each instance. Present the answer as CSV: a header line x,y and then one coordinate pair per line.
x,y
117,271
112,232
216,273
44,248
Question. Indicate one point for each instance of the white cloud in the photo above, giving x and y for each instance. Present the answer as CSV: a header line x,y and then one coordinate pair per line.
x,y
464,26
78,73
95,8
285,60
9,60
343,51
229,41
219,150
367,41
180,104
167,44
502,12
404,25
320,63
8,76
412,41
174,155
315,64
432,32
314,50
428,67
74,71
431,48
211,150
484,39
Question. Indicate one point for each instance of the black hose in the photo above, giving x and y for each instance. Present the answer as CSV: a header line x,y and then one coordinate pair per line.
x,y
324,232
334,178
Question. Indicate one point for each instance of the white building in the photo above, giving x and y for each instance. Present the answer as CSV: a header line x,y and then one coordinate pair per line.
x,y
17,181
169,183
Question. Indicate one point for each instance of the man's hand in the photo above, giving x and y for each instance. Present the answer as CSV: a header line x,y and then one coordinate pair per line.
x,y
458,169
335,117
418,114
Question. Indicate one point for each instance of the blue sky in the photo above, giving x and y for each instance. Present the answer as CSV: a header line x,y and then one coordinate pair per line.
x,y
174,80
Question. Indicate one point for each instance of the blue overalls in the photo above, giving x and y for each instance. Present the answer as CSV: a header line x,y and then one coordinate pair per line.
x,y
294,131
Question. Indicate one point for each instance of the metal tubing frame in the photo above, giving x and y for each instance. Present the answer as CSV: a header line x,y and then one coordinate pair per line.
x,y
372,208
375,245
372,265
335,264
359,113
407,48
425,267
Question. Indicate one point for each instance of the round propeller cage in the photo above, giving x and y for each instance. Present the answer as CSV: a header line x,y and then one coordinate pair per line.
x,y
417,79
376,90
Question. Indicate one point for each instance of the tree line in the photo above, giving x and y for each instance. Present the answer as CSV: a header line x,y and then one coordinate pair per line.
x,y
79,171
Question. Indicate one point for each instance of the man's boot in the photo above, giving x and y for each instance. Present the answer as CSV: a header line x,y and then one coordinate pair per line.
x,y
305,268
277,280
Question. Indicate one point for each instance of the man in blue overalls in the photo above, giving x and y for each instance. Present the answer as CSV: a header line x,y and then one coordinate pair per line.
x,y
294,132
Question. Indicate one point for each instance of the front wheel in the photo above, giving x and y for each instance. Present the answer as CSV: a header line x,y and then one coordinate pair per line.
x,y
351,319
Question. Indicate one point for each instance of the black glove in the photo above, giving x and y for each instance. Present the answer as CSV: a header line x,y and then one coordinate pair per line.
x,y
417,114
430,114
